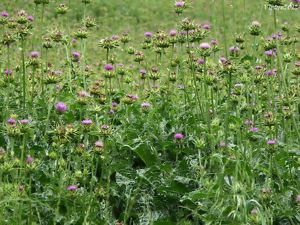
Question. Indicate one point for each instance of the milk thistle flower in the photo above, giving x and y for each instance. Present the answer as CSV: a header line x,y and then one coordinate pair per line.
x,y
298,199
254,129
178,136
11,121
99,144
148,34
34,54
8,72
108,67
24,121
179,6
76,56
172,33
205,46
271,142
72,188
4,14
61,107
87,122
30,18
29,160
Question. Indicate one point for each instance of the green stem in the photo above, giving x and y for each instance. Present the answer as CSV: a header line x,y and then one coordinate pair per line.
x,y
23,72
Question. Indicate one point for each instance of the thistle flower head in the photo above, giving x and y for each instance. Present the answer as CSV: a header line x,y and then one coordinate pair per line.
x,y
148,34
72,188
205,46
4,14
61,107
271,142
178,136
87,122
108,67
11,121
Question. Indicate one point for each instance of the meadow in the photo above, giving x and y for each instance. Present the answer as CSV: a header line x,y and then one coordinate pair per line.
x,y
147,112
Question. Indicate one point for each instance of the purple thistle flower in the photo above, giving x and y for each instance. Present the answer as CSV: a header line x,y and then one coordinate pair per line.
x,y
114,37
83,94
24,121
143,72
8,72
111,112
223,60
30,18
145,105
114,104
258,67
72,188
178,136
271,142
270,53
205,46
297,64
200,61
254,129
298,199
61,107
206,26
173,33
105,127
4,14
87,122
214,42
11,121
99,144
272,72
295,1
76,56
181,33
108,67
234,49
248,122
180,4
148,34
34,54
29,160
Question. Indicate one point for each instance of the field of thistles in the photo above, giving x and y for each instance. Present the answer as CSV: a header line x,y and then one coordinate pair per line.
x,y
150,112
